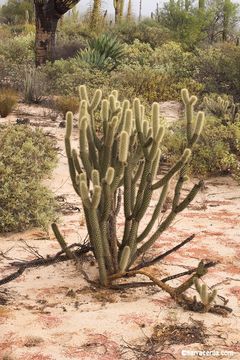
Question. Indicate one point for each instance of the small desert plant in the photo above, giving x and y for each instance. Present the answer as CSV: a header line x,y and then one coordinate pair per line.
x,y
104,52
26,157
127,155
206,297
63,104
34,86
8,100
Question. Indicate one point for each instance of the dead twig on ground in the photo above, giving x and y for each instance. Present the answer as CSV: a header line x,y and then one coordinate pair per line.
x,y
162,256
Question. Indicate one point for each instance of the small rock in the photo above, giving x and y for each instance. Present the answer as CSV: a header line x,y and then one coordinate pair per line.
x,y
23,121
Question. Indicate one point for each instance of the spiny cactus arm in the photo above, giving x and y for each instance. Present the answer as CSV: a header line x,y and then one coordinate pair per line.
x,y
93,153
62,241
124,259
189,198
198,128
106,247
69,152
106,202
128,191
138,173
200,271
189,102
179,164
139,123
84,194
97,242
206,297
119,172
83,144
155,215
125,117
83,94
76,161
107,150
165,224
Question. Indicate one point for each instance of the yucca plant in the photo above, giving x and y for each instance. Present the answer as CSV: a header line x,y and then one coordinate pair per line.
x,y
104,52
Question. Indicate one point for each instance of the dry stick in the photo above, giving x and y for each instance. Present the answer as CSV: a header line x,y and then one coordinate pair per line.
x,y
164,280
41,262
59,257
162,256
12,276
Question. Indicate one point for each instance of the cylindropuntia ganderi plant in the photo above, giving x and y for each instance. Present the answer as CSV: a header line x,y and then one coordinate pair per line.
x,y
125,155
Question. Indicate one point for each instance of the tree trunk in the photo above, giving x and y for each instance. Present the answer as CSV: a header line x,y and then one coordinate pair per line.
x,y
47,14
95,15
116,4
46,25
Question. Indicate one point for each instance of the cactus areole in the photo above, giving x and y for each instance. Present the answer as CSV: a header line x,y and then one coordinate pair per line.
x,y
115,175
47,14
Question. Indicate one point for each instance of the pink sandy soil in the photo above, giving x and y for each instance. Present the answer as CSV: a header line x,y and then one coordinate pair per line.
x,y
54,314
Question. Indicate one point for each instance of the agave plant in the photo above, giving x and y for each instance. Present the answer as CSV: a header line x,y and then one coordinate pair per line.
x,y
104,52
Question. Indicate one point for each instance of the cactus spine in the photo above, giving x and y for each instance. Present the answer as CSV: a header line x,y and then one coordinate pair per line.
x,y
126,154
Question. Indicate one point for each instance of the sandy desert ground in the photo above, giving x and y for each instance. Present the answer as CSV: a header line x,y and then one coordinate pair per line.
x,y
52,313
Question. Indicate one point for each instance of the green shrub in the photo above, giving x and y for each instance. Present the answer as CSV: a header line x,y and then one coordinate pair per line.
x,y
63,104
147,31
8,99
216,153
18,49
64,76
26,157
218,69
152,84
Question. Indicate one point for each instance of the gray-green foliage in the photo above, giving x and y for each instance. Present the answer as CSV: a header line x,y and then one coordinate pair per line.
x,y
103,52
26,157
222,107
216,152
126,154
34,86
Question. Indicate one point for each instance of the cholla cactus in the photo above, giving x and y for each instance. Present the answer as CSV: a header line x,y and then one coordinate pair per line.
x,y
223,108
206,297
125,155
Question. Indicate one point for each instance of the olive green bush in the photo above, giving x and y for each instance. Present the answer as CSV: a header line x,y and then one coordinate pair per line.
x,y
26,157
218,69
146,31
63,104
216,153
8,100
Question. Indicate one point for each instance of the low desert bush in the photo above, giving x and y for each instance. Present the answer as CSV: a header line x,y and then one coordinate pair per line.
x,y
217,151
218,69
147,31
26,157
152,84
34,85
63,104
8,99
